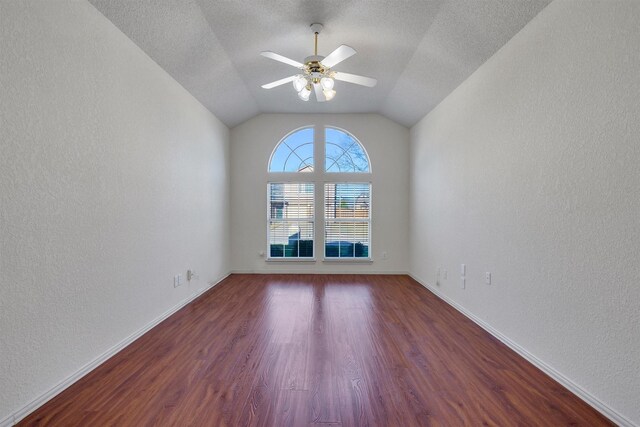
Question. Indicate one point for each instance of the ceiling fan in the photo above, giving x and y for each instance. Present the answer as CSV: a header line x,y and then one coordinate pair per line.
x,y
316,73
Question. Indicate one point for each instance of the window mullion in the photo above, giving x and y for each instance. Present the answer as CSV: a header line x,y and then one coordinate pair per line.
x,y
319,174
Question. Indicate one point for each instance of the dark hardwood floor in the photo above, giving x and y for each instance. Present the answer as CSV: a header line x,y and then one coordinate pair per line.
x,y
296,350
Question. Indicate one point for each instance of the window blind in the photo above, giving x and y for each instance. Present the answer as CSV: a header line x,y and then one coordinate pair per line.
x,y
347,216
291,220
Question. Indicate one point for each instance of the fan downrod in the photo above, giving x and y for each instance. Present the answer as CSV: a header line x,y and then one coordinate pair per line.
x,y
312,63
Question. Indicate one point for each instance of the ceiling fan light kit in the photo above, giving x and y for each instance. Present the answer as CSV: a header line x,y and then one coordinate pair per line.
x,y
305,93
316,73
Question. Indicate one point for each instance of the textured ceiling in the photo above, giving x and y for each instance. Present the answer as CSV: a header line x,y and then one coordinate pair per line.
x,y
418,50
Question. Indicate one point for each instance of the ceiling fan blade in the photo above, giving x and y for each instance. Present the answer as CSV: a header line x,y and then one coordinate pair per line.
x,y
354,78
278,82
275,56
319,93
340,54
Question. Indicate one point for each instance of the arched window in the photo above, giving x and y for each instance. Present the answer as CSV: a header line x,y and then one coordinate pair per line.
x,y
343,200
294,153
344,153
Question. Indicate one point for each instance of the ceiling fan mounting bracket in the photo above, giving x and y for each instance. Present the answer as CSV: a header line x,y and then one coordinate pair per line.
x,y
316,28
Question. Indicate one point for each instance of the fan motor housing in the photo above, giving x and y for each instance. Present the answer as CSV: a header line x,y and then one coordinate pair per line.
x,y
314,68
313,61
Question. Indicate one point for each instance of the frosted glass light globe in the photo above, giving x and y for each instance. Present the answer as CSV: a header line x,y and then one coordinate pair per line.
x,y
299,82
327,83
329,94
304,93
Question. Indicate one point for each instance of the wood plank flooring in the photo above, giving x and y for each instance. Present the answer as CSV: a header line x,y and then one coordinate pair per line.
x,y
332,350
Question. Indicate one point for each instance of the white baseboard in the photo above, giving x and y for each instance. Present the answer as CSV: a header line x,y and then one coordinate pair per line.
x,y
289,271
27,409
590,399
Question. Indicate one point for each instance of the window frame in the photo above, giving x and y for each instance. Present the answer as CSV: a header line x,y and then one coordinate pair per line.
x,y
319,177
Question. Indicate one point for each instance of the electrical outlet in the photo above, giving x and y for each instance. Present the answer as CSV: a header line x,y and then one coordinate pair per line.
x,y
487,278
177,280
191,275
385,255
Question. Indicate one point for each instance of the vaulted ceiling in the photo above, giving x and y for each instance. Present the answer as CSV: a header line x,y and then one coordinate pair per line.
x,y
419,50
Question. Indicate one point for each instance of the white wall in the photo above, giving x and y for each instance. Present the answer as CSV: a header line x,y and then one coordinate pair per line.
x,y
387,144
112,179
531,170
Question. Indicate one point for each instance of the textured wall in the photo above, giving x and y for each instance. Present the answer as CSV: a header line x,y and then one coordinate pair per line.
x,y
387,144
112,179
530,170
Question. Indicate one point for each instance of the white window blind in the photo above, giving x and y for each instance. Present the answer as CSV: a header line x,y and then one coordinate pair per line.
x,y
347,217
291,220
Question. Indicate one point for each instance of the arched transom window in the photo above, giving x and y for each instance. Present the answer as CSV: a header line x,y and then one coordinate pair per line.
x,y
343,153
294,153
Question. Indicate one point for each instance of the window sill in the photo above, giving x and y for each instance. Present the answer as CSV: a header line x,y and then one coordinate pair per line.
x,y
290,260
349,260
